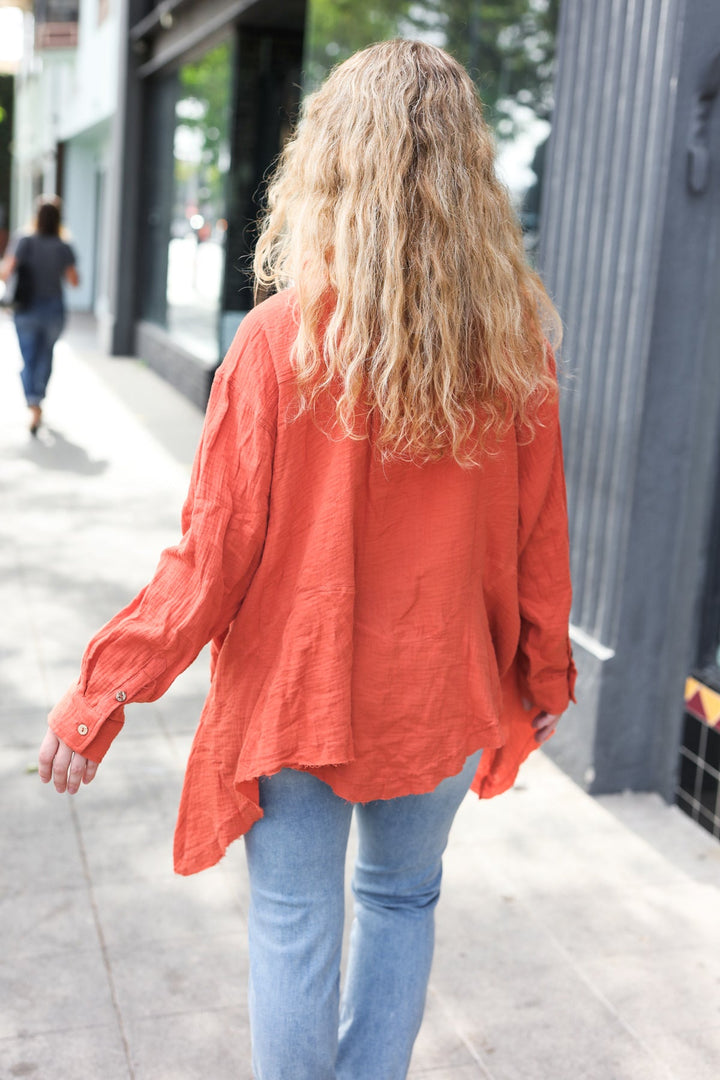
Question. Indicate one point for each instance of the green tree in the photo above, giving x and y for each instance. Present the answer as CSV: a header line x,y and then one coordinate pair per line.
x,y
508,46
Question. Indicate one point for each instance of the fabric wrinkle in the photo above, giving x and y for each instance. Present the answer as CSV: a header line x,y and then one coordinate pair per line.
x,y
372,621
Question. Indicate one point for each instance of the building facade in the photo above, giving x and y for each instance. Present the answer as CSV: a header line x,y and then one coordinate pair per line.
x,y
157,122
67,89
213,89
609,140
7,109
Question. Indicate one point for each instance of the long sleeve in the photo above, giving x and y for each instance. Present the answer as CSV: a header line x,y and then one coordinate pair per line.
x,y
199,584
546,665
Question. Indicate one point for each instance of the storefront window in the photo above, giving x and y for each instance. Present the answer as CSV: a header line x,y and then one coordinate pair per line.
x,y
508,48
188,167
201,154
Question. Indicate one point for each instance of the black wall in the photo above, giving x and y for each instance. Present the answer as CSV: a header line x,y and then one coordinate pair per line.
x,y
6,134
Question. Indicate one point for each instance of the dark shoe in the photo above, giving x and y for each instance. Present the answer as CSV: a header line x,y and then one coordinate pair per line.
x,y
35,418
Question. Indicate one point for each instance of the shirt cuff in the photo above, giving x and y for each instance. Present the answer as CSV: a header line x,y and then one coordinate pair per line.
x,y
82,728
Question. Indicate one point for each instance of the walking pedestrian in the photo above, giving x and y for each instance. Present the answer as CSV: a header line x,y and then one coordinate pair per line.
x,y
43,263
375,542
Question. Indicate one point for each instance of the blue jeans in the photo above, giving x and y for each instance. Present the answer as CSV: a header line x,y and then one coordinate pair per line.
x,y
38,328
296,859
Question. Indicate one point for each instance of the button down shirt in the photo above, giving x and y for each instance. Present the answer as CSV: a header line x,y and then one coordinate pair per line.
x,y
371,621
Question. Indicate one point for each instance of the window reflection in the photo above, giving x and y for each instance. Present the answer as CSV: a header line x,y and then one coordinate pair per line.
x,y
201,157
508,48
186,163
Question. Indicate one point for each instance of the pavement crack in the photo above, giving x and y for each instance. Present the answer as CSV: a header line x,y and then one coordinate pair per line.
x,y
103,944
466,1042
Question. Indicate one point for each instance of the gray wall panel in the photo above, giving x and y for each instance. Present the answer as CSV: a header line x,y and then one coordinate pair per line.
x,y
666,552
632,258
604,204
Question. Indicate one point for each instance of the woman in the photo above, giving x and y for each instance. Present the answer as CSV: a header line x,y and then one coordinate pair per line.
x,y
375,541
44,262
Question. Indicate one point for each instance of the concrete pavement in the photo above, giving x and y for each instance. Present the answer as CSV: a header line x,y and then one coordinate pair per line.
x,y
578,938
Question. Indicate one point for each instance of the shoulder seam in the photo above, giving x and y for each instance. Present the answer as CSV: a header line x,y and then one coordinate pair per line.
x,y
231,376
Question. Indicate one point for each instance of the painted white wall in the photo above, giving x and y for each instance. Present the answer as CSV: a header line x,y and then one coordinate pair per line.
x,y
70,96
92,95
85,168
103,253
40,88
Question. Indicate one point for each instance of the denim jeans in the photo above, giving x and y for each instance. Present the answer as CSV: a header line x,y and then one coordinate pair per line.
x,y
296,859
38,328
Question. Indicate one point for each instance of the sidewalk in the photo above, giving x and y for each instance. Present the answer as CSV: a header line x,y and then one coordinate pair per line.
x,y
578,938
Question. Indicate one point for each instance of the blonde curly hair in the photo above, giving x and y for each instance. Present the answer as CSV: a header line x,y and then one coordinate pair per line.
x,y
417,308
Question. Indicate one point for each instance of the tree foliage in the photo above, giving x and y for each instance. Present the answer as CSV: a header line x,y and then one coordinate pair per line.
x,y
205,84
207,81
507,46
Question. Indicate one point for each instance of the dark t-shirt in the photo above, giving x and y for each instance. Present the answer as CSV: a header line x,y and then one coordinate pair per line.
x,y
48,257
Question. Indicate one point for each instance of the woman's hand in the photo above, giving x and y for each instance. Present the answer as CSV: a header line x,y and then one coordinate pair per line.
x,y
545,724
58,763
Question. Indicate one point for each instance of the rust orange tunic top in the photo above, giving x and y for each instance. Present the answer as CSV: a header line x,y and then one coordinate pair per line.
x,y
372,622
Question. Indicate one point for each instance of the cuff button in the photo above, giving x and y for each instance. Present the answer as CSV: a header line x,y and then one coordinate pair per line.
x,y
121,696
82,729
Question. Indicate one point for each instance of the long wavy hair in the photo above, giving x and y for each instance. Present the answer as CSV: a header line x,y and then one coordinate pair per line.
x,y
417,308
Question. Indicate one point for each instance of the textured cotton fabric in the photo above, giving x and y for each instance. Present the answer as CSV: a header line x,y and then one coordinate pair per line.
x,y
373,622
